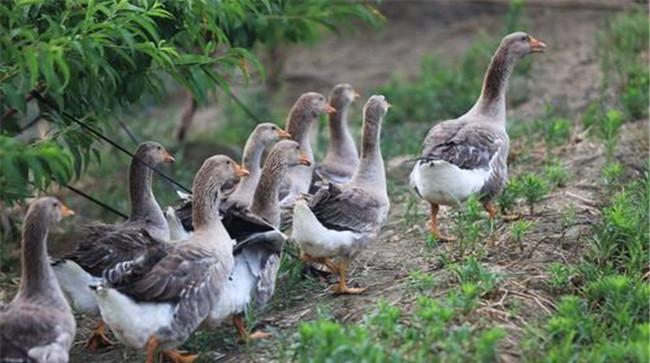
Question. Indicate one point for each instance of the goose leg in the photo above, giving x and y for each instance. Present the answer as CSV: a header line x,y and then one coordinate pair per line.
x,y
433,224
487,205
98,339
152,345
176,356
242,333
342,287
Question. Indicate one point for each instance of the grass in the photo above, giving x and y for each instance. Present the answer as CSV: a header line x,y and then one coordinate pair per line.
x,y
435,330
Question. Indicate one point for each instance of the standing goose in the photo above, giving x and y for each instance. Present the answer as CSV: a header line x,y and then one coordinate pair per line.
x,y
102,246
259,243
342,157
37,325
263,136
161,304
340,221
301,117
468,155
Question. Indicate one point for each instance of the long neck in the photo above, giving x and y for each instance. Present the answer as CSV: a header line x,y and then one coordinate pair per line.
x,y
341,145
37,278
266,199
143,202
251,159
491,104
370,172
298,125
205,207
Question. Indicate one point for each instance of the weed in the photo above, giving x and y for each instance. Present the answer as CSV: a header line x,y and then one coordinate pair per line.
x,y
533,189
560,275
634,95
556,174
569,216
471,271
468,225
612,173
422,281
508,197
556,131
519,230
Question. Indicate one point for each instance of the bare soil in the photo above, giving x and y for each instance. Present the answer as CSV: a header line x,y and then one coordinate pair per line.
x,y
568,71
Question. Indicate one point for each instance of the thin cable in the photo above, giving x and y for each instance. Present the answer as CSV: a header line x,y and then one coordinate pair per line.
x,y
113,143
242,106
98,202
128,131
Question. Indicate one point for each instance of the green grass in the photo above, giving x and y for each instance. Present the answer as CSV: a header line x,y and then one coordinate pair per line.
x,y
434,330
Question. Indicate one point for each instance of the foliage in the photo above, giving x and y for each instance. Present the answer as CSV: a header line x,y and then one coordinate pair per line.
x,y
469,225
533,189
508,197
93,59
519,230
560,275
556,173
621,46
434,332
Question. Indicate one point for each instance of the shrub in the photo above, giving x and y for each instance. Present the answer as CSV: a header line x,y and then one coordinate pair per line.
x,y
533,189
556,174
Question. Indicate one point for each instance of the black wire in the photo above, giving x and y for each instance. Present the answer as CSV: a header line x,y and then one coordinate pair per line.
x,y
98,202
113,143
242,106
128,131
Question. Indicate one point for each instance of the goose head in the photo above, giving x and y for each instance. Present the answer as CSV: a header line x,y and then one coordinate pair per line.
x,y
266,134
216,171
314,104
289,152
47,211
153,153
520,44
342,95
375,109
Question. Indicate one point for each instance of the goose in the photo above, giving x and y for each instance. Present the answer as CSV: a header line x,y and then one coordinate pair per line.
x,y
301,117
158,305
342,157
259,242
37,325
263,136
468,155
101,246
340,221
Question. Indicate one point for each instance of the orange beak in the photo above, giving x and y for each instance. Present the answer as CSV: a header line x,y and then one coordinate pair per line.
x,y
65,211
356,95
304,160
329,108
283,134
240,171
168,157
536,45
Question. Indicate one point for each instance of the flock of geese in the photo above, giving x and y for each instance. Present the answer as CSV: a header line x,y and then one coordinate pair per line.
x,y
160,276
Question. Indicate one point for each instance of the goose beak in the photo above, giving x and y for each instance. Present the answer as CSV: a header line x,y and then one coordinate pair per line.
x,y
329,109
304,160
65,211
536,45
283,134
355,95
169,158
240,171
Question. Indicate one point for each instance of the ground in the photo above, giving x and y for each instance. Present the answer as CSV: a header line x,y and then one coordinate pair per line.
x,y
569,71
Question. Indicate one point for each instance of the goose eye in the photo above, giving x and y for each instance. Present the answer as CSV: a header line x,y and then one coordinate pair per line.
x,y
228,162
273,128
55,205
524,38
159,148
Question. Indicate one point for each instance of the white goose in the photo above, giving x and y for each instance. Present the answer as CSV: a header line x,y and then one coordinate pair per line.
x,y
468,155
340,221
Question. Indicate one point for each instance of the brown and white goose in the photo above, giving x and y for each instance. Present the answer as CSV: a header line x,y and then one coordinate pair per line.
x,y
342,157
340,221
301,117
102,246
37,325
263,136
161,304
259,242
468,155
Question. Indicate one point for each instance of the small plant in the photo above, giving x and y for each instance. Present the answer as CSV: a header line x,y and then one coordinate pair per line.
x,y
471,271
508,198
634,96
609,130
468,227
560,275
569,216
533,189
557,131
612,173
519,230
422,281
556,174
